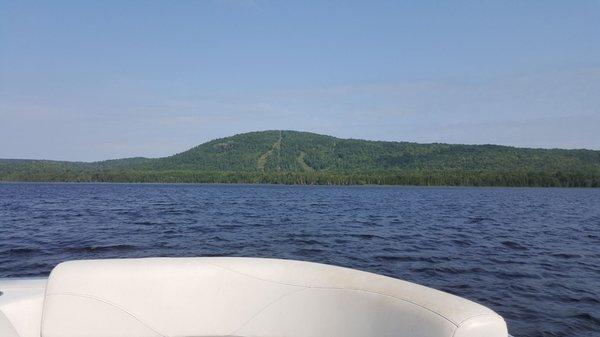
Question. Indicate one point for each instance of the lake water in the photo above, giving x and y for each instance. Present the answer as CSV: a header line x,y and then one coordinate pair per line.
x,y
533,255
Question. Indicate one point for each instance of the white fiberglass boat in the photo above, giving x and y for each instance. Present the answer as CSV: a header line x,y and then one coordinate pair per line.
x,y
194,297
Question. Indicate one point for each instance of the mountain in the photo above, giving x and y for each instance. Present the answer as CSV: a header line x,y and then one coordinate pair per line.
x,y
308,158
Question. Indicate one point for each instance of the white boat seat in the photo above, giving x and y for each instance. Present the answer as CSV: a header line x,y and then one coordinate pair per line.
x,y
248,297
21,304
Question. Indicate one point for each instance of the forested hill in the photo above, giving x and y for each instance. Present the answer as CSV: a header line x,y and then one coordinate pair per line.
x,y
308,158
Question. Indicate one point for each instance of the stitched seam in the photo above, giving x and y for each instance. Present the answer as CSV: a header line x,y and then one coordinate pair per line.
x,y
255,277
110,304
11,324
263,309
468,318
338,288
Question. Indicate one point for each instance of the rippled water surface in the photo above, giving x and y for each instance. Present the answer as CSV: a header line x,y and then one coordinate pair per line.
x,y
533,255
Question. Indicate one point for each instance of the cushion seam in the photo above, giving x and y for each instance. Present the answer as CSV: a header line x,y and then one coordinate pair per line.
x,y
110,304
339,288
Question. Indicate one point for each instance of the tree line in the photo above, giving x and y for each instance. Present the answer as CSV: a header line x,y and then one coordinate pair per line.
x,y
416,177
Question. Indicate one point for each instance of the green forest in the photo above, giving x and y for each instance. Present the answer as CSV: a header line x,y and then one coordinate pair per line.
x,y
291,157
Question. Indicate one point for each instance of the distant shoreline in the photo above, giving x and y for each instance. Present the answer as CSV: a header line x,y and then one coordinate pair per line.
x,y
409,178
8,182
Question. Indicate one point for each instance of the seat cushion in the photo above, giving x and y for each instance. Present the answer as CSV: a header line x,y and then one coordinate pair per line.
x,y
6,328
249,297
21,307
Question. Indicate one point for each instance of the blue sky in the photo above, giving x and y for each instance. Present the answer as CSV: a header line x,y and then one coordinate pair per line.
x,y
92,80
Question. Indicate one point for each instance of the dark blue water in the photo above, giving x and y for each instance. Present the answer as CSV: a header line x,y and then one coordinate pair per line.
x,y
533,255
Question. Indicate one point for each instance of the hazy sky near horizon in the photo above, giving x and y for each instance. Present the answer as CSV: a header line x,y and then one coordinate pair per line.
x,y
83,80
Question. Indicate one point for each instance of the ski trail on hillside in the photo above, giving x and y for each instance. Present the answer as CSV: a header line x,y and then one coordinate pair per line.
x,y
303,164
262,160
